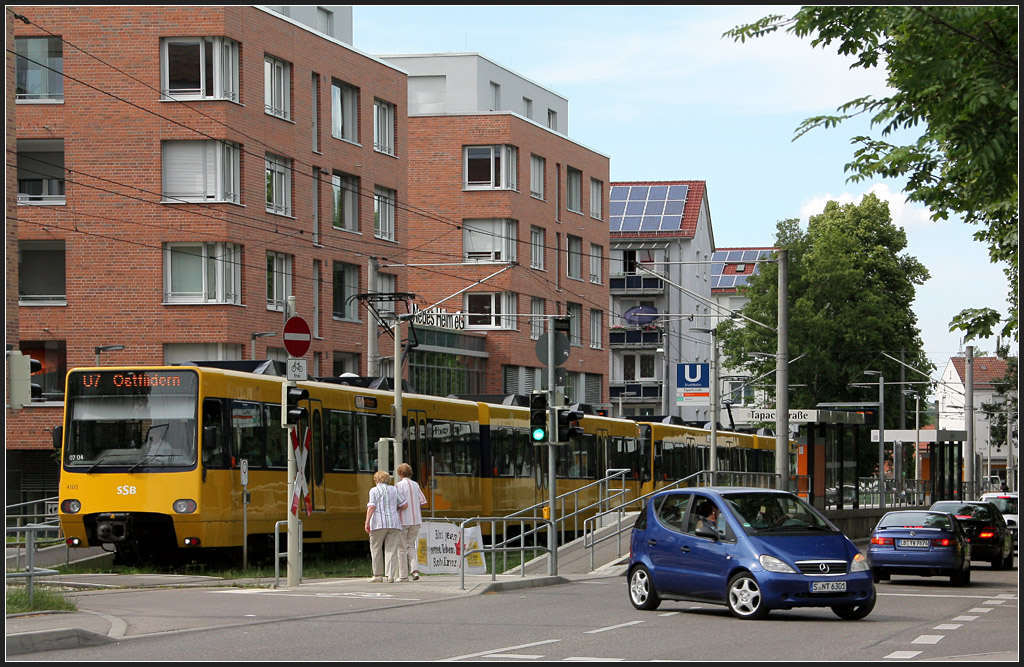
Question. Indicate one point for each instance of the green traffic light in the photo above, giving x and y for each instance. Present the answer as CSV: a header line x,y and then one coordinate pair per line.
x,y
538,435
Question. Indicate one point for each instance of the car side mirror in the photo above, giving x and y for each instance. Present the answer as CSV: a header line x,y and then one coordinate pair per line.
x,y
58,437
704,531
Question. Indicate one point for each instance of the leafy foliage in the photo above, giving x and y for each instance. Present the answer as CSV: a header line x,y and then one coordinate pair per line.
x,y
954,75
850,295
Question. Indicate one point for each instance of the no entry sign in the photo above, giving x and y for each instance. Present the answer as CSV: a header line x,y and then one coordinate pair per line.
x,y
297,336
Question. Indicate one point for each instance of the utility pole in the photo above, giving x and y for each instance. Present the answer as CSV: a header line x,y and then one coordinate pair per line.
x,y
969,473
782,376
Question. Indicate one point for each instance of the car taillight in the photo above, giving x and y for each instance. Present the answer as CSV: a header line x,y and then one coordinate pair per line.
x,y
987,532
942,542
883,541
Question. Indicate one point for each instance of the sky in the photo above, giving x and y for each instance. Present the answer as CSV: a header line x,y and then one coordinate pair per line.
x,y
664,96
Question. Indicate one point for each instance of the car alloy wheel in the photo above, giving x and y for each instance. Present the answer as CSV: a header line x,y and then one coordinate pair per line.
x,y
745,599
641,590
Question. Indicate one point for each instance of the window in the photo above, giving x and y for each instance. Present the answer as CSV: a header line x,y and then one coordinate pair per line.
x,y
384,213
199,68
489,240
574,265
279,184
346,285
536,323
384,127
202,273
52,356
276,87
573,187
315,121
552,119
596,328
345,202
279,280
200,171
637,367
41,172
41,273
537,176
495,96
575,313
485,310
386,284
38,69
536,247
528,107
596,255
344,112
490,167
325,21
596,191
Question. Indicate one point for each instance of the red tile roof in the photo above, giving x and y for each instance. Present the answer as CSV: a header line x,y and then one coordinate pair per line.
x,y
986,370
694,199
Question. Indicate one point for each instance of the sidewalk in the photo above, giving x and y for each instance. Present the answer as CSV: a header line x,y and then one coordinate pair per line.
x,y
116,607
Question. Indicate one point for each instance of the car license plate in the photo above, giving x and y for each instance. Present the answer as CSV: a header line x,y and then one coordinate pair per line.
x,y
913,543
828,586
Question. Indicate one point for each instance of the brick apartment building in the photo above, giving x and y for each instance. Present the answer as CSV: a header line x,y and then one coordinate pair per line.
x,y
510,221
174,175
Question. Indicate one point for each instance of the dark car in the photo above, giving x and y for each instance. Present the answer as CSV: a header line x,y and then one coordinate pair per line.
x,y
752,550
986,529
922,543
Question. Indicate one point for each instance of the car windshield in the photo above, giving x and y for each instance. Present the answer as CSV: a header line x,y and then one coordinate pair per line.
x,y
768,512
1005,504
915,520
964,510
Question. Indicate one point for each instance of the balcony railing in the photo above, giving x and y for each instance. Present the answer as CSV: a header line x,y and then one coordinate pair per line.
x,y
635,282
641,390
634,337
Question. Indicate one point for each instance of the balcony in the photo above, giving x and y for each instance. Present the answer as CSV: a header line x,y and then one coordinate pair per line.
x,y
635,391
635,283
632,337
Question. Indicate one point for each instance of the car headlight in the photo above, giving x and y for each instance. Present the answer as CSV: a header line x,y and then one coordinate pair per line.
x,y
773,564
859,564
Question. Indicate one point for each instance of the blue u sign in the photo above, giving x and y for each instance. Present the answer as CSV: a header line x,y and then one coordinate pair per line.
x,y
693,376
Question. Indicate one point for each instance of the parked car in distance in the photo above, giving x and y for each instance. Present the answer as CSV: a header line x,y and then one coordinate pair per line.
x,y
986,530
1006,503
922,543
750,549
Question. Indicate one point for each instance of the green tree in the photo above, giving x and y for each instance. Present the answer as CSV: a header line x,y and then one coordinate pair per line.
x,y
954,73
999,411
850,295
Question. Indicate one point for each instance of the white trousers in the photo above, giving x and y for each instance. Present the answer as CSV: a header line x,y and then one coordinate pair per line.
x,y
384,551
407,560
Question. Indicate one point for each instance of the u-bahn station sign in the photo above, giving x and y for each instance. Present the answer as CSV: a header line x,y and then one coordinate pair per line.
x,y
798,416
439,317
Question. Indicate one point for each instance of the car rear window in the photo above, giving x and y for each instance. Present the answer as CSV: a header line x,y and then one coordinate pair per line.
x,y
915,520
964,510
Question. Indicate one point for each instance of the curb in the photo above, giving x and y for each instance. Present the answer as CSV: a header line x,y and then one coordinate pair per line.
x,y
57,638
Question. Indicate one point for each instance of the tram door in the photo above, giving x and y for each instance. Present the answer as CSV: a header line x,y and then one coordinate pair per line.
x,y
416,449
315,460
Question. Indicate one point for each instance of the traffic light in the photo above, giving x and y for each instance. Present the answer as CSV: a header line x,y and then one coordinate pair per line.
x,y
539,416
569,424
293,412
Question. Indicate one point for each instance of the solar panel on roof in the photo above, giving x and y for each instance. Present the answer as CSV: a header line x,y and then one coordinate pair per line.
x,y
741,280
719,255
750,255
655,208
717,268
727,281
735,256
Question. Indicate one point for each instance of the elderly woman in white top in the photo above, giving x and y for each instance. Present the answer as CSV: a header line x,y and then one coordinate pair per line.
x,y
411,498
383,526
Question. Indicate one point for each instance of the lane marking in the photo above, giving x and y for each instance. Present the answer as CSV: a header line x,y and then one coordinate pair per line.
x,y
947,626
613,627
500,650
980,610
582,659
995,601
966,618
903,655
515,656
669,613
928,639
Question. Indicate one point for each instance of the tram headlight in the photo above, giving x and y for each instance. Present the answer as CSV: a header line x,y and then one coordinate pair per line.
x,y
71,506
184,506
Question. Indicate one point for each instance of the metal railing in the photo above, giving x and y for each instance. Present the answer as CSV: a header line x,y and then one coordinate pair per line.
x,y
571,506
278,554
507,545
31,571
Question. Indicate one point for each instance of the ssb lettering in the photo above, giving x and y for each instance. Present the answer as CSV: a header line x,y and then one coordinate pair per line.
x,y
126,490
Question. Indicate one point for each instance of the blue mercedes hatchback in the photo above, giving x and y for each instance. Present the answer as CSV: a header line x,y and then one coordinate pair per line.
x,y
750,549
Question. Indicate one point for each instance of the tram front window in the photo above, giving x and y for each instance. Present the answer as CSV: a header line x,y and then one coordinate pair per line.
x,y
113,424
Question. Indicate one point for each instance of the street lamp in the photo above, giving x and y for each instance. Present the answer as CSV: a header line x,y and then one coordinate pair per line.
x,y
260,334
713,453
917,433
881,436
106,348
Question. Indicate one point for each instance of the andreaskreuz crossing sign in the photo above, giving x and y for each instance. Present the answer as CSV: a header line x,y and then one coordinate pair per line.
x,y
297,336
